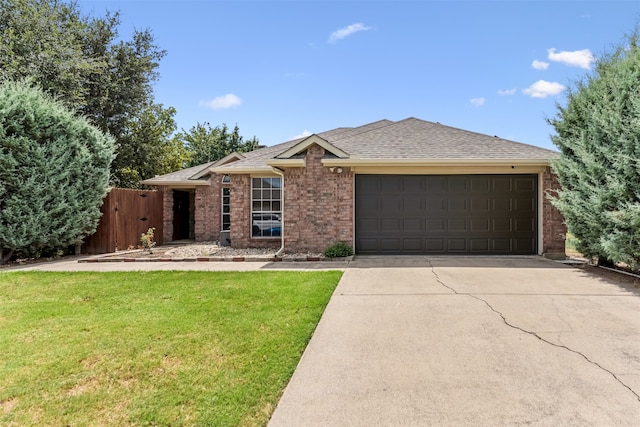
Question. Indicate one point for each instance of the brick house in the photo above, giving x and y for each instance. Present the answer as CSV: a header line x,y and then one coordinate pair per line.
x,y
405,187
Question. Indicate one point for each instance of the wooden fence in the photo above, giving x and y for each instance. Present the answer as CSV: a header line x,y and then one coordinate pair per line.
x,y
126,214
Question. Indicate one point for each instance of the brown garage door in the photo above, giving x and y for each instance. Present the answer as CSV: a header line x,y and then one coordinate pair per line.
x,y
446,214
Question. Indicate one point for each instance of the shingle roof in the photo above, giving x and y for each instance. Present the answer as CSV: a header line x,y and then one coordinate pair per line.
x,y
418,139
257,158
385,140
183,175
411,139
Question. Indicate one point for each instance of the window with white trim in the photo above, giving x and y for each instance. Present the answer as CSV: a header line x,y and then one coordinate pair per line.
x,y
266,207
226,209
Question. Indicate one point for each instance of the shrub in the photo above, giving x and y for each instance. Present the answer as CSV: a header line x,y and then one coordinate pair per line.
x,y
54,173
147,239
339,249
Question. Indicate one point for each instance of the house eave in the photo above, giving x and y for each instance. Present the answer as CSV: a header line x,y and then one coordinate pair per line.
x,y
358,162
242,171
176,184
287,163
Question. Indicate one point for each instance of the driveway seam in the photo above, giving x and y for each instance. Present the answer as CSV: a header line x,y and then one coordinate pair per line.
x,y
506,322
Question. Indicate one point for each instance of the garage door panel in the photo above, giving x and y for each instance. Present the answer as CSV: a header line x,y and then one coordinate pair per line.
x,y
501,245
502,184
480,224
524,245
390,245
524,205
502,225
390,225
368,245
391,205
435,224
524,225
522,185
480,204
413,225
456,225
414,184
369,226
457,204
436,184
439,214
436,205
458,184
412,245
369,205
435,245
457,244
391,185
413,205
479,245
501,205
480,185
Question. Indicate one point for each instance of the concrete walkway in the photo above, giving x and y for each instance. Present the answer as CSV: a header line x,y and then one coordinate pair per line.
x,y
74,265
469,341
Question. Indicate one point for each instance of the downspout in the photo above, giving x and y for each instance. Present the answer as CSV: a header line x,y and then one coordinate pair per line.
x,y
280,172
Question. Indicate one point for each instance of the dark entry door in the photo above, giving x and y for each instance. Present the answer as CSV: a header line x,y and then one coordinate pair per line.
x,y
446,214
181,213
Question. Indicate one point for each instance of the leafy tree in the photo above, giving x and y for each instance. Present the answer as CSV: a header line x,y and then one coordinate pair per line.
x,y
598,135
207,144
54,172
82,62
148,148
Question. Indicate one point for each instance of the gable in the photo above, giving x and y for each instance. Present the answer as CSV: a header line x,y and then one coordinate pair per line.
x,y
309,141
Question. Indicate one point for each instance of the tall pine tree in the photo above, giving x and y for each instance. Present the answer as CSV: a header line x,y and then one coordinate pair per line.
x,y
598,135
54,173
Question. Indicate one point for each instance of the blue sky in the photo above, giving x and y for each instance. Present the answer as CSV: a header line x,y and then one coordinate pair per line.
x,y
282,69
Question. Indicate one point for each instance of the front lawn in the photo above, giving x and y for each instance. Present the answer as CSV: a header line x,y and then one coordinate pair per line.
x,y
153,348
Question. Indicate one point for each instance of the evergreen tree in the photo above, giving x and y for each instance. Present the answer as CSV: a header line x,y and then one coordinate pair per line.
x,y
598,135
54,173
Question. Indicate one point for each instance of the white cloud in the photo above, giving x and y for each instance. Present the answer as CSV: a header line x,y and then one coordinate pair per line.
x,y
578,58
477,102
507,92
543,88
539,65
222,102
304,134
347,31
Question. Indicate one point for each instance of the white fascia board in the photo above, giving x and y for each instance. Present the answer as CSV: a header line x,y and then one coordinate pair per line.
x,y
241,171
290,163
353,162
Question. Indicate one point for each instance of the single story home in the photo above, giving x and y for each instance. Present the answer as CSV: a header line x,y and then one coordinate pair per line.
x,y
404,187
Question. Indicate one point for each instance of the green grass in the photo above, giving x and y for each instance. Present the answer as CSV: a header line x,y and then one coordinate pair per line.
x,y
154,348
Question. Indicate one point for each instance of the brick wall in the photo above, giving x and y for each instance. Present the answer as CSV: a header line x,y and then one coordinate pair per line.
x,y
318,208
554,229
318,205
207,211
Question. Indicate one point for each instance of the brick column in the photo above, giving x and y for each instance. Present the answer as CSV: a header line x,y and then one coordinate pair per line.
x,y
207,211
167,214
554,230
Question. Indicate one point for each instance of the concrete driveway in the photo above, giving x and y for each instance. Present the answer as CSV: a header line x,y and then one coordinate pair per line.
x,y
469,341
